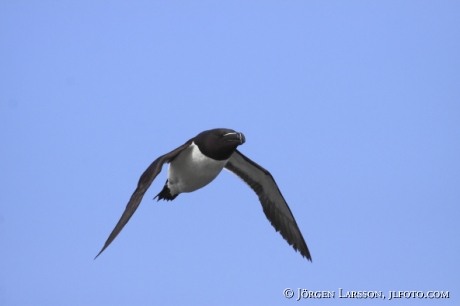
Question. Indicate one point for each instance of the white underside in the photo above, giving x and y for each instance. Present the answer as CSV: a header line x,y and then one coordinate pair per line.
x,y
191,170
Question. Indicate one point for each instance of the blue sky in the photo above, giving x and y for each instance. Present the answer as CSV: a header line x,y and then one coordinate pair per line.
x,y
353,106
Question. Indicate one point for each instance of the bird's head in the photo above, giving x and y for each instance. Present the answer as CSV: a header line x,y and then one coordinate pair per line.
x,y
219,144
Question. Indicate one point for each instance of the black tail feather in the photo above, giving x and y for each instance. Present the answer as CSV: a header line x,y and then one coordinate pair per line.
x,y
165,194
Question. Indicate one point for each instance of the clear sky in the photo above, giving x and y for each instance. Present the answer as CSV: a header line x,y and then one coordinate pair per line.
x,y
353,106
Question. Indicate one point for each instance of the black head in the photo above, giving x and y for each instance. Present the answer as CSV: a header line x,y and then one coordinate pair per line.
x,y
219,144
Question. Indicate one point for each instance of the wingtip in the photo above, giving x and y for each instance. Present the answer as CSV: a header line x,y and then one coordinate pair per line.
x,y
99,253
305,253
308,256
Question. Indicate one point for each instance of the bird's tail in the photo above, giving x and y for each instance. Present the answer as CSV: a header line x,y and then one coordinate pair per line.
x,y
165,194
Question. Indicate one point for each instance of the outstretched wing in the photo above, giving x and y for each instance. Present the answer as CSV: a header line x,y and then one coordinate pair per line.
x,y
145,181
275,207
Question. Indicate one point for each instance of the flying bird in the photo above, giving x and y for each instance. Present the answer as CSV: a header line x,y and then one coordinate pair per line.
x,y
197,162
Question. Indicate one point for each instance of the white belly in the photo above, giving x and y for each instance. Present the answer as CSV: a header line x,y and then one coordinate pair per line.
x,y
191,170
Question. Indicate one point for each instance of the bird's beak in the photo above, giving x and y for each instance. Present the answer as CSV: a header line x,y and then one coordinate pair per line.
x,y
235,137
242,138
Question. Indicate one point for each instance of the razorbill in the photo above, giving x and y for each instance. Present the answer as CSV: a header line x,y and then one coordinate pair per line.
x,y
197,162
